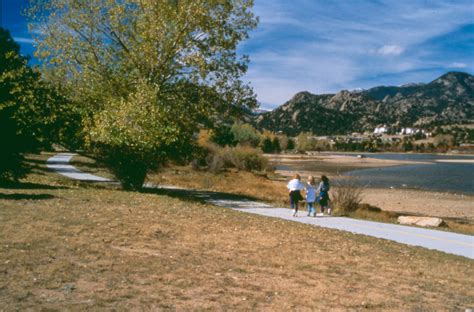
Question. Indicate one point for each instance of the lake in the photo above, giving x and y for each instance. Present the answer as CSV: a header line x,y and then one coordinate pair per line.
x,y
446,173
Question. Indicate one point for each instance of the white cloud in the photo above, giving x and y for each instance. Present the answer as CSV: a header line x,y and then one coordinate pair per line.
x,y
390,50
325,46
24,40
457,65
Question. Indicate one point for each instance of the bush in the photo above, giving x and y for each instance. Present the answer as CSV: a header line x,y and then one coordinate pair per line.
x,y
127,166
247,158
245,134
223,136
240,157
305,142
347,197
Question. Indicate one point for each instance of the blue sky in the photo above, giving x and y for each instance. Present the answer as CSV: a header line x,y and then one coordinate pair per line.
x,y
324,46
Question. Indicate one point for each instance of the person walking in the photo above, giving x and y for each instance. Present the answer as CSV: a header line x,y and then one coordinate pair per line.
x,y
323,191
310,189
295,186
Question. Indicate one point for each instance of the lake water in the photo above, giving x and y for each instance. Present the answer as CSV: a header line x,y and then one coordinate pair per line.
x,y
429,175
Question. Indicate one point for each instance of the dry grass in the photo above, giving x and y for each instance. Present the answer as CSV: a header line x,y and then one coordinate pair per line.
x,y
67,245
245,183
270,188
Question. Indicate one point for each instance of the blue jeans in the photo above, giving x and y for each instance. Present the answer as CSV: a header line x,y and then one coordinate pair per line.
x,y
310,207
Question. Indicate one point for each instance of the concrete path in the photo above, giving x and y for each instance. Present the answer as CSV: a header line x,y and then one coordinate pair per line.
x,y
458,244
60,164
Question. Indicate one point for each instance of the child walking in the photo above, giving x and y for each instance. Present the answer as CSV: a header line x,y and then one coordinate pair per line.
x,y
295,186
310,189
323,197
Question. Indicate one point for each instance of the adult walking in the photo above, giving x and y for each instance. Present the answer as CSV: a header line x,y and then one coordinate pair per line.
x,y
295,186
323,198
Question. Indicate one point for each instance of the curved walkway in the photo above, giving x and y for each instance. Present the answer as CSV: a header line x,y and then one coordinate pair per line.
x,y
60,164
453,243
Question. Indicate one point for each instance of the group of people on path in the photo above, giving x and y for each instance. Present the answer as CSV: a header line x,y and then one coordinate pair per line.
x,y
313,194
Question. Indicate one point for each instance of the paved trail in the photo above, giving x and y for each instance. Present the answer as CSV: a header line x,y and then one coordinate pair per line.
x,y
60,164
452,243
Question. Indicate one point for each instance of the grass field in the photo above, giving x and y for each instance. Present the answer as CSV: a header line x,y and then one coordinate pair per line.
x,y
69,245
269,187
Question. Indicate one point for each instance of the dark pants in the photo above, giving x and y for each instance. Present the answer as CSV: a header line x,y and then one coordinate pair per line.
x,y
295,197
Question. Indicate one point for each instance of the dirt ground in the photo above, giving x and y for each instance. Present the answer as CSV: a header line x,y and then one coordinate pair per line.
x,y
437,204
74,246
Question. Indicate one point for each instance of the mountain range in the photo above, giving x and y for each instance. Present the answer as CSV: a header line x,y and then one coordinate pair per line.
x,y
446,100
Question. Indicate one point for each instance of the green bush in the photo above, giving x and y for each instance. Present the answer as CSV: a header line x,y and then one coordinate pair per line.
x,y
128,166
223,136
245,134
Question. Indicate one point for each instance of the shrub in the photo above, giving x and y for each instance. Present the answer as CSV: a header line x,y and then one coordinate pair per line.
x,y
245,134
305,142
223,136
247,158
127,166
240,157
347,197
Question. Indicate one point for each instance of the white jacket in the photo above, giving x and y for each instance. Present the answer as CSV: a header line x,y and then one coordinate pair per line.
x,y
295,185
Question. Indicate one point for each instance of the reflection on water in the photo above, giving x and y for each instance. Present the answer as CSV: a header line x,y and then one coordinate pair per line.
x,y
448,177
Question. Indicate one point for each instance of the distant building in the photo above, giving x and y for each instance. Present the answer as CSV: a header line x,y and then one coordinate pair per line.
x,y
409,131
381,129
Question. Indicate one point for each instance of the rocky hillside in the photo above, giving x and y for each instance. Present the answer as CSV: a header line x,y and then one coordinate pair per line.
x,y
446,100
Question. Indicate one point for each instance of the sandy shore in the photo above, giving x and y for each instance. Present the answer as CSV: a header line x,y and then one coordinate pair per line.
x,y
399,200
422,202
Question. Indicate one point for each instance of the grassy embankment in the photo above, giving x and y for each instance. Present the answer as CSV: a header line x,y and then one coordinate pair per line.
x,y
270,188
73,245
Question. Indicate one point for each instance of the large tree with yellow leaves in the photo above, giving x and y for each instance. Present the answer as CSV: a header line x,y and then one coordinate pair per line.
x,y
145,73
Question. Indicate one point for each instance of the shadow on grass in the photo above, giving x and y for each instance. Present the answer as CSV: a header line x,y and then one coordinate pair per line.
x,y
196,195
31,186
26,196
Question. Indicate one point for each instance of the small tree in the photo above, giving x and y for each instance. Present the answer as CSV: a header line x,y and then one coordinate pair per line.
x,y
223,136
267,145
283,142
291,144
276,145
305,142
246,134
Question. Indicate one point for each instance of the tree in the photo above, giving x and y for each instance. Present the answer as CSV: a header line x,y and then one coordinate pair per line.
x,y
305,142
146,74
276,144
223,136
267,145
291,144
246,134
29,110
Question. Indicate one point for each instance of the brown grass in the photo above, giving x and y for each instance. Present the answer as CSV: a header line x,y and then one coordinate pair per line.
x,y
268,187
230,181
83,246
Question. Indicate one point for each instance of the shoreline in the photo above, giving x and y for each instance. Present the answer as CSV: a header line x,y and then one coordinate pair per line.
x,y
443,204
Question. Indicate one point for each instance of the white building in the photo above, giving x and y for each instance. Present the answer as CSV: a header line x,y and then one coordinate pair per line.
x,y
381,129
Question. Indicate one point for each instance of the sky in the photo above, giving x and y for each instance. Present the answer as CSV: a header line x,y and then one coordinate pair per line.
x,y
324,46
